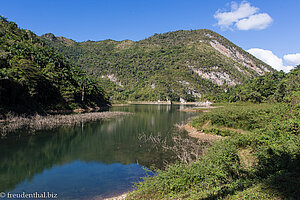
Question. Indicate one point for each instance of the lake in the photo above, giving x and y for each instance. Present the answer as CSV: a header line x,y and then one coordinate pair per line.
x,y
98,159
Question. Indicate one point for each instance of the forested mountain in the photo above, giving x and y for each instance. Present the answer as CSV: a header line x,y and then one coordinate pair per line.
x,y
271,87
191,65
36,78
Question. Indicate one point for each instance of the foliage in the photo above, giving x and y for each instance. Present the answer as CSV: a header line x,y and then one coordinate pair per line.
x,y
272,134
34,77
272,87
243,116
269,132
160,67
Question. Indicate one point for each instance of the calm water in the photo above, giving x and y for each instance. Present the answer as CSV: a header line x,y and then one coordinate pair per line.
x,y
95,159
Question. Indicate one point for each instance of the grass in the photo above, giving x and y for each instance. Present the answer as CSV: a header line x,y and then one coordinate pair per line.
x,y
259,162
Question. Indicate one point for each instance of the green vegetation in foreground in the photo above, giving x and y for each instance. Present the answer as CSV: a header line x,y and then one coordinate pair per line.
x,y
35,78
164,66
258,159
261,163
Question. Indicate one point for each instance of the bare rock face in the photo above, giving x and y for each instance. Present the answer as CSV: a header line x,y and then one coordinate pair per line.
x,y
239,57
219,78
180,65
241,61
113,78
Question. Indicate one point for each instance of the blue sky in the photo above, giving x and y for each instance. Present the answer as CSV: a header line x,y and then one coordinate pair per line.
x,y
276,25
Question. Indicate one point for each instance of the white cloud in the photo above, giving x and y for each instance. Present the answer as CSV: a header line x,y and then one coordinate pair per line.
x,y
243,16
257,22
292,59
226,19
268,57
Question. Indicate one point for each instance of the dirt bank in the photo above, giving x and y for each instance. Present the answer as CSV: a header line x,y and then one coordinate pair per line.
x,y
193,132
120,197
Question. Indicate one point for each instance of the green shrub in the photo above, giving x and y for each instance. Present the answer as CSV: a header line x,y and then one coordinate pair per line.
x,y
273,137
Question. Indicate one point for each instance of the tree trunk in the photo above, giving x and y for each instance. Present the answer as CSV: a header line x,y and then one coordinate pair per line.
x,y
82,94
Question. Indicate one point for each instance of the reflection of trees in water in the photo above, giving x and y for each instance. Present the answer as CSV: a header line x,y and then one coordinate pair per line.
x,y
113,141
112,126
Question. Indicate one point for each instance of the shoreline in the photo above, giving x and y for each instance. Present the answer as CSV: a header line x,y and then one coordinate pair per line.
x,y
160,103
38,122
120,197
78,116
78,110
194,133
199,109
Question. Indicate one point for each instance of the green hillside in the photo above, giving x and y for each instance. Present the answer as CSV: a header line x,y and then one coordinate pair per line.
x,y
36,78
192,65
272,87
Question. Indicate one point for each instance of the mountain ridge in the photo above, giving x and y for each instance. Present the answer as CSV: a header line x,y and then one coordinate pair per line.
x,y
189,65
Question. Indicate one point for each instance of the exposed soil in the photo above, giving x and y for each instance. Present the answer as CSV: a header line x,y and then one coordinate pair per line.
x,y
193,132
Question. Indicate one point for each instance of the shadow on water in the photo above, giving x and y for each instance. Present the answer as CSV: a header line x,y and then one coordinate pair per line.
x,y
99,158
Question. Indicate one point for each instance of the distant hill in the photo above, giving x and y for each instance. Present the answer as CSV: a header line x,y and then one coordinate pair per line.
x,y
36,78
189,65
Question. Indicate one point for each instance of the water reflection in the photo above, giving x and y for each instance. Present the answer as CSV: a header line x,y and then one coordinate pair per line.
x,y
94,152
93,179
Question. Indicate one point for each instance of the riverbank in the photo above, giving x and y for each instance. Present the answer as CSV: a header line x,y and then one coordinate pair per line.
x,y
38,122
200,104
194,133
120,197
200,108
259,159
78,110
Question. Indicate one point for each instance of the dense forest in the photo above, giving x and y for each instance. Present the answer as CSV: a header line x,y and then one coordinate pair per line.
x,y
192,65
36,78
272,87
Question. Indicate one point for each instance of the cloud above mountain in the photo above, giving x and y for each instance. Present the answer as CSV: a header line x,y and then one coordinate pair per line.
x,y
274,61
243,16
292,59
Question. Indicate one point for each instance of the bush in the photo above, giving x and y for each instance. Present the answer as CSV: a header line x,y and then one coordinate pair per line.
x,y
271,139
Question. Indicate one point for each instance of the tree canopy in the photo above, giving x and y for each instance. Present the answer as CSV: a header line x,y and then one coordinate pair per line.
x,y
36,78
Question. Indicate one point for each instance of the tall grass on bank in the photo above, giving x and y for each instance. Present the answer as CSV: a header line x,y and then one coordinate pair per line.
x,y
261,163
38,122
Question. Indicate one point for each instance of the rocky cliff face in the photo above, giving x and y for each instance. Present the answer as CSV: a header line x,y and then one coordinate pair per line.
x,y
59,40
240,57
181,64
